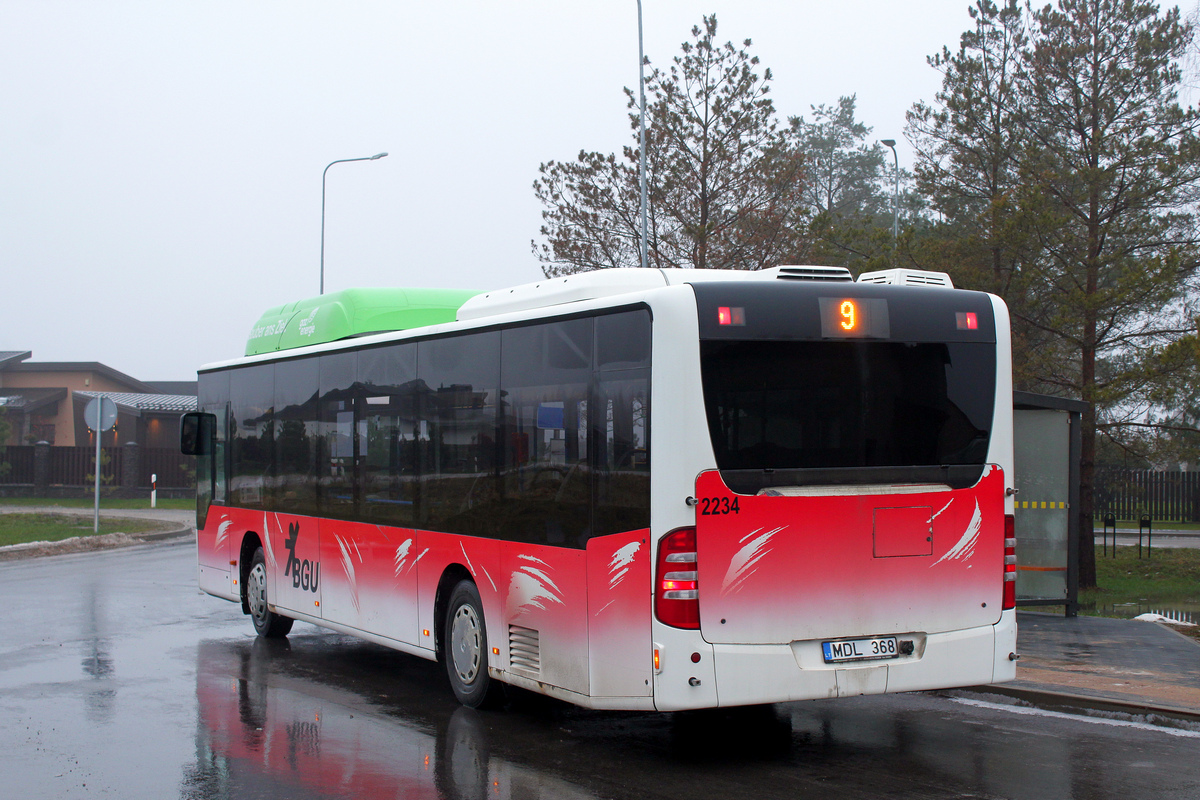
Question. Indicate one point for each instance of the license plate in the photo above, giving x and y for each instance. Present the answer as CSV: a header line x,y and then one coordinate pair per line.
x,y
861,649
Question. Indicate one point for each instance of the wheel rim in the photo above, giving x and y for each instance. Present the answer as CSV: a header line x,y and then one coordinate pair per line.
x,y
256,592
466,643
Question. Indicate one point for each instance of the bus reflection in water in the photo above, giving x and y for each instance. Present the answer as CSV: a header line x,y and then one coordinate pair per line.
x,y
260,734
634,489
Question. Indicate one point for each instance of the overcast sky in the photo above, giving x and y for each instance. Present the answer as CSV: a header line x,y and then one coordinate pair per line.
x,y
160,162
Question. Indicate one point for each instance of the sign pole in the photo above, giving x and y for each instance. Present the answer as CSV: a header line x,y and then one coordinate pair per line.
x,y
96,427
101,414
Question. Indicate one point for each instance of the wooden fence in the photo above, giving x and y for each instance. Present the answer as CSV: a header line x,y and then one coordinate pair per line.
x,y
1128,494
73,466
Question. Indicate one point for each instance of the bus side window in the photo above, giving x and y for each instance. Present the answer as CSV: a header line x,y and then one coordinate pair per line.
x,y
545,479
622,495
338,440
252,435
296,384
458,429
621,423
387,393
212,470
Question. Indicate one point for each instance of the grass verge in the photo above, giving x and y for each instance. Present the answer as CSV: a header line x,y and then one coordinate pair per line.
x,y
177,504
22,528
1170,576
1163,579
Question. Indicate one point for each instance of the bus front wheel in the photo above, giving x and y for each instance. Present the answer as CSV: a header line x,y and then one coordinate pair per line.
x,y
466,648
266,622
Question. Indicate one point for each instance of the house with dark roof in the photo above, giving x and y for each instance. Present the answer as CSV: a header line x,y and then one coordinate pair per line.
x,y
44,401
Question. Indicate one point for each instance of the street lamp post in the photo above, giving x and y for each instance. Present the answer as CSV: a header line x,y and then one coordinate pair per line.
x,y
331,163
642,133
895,195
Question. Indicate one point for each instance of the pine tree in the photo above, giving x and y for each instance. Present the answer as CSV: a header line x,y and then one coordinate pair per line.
x,y
1059,148
724,187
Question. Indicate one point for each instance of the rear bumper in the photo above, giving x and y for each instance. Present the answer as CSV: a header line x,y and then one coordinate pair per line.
x,y
751,674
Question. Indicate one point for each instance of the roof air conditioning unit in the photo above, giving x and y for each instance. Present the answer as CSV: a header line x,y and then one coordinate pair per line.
x,y
808,273
908,277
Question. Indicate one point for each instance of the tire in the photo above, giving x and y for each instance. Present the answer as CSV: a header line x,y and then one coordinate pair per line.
x,y
266,622
466,648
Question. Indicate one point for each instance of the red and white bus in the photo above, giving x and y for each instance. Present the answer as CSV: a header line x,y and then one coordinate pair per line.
x,y
628,489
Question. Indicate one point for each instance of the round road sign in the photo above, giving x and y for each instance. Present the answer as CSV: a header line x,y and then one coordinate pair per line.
x,y
100,414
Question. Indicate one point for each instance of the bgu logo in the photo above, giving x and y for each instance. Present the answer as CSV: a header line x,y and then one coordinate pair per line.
x,y
305,574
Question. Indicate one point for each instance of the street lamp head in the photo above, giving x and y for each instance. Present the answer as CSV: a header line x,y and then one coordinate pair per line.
x,y
888,143
378,155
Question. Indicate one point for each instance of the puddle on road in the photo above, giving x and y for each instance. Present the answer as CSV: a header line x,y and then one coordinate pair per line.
x,y
258,728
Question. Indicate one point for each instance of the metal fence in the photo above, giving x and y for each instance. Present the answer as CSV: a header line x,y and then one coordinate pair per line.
x,y
74,466
1168,496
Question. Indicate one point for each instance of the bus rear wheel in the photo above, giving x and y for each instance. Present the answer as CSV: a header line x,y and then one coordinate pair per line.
x,y
466,648
266,622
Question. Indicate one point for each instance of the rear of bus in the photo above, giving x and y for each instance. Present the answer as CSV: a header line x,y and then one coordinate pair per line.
x,y
850,532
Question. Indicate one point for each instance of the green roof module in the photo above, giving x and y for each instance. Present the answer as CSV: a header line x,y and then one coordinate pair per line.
x,y
352,312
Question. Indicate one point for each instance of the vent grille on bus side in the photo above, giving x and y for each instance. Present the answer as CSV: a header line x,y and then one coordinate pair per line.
x,y
524,649
814,274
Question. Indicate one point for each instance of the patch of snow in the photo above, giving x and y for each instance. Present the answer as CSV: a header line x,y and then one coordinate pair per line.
x,y
1105,719
1161,618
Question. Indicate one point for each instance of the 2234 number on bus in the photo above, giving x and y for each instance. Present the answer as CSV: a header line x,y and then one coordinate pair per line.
x,y
714,506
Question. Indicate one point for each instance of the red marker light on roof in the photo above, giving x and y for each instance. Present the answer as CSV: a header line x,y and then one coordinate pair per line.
x,y
727,315
966,320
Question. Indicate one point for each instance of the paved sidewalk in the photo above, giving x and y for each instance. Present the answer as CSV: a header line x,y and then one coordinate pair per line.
x,y
1106,664
1162,539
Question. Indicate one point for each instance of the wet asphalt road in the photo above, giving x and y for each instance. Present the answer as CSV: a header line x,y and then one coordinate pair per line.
x,y
118,679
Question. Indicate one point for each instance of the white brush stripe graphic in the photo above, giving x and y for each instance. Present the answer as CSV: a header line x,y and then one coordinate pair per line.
x,y
938,514
618,566
401,556
223,532
483,569
531,587
266,534
741,566
966,545
544,578
348,566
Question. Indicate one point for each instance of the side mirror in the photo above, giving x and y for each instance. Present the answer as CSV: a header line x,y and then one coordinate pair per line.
x,y
197,433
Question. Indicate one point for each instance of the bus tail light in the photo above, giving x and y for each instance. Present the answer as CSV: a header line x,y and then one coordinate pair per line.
x,y
1010,562
676,590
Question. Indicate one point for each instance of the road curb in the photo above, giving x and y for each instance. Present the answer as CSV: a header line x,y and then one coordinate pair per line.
x,y
159,536
1068,702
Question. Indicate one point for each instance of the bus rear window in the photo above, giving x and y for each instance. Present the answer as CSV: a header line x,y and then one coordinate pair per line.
x,y
848,412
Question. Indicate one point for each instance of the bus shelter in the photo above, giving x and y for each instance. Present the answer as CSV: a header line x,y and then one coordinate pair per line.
x,y
1046,454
